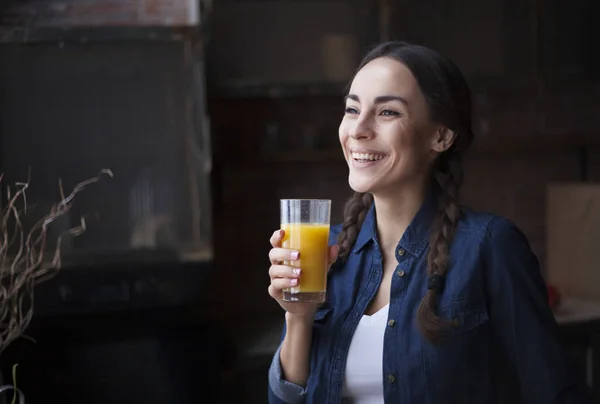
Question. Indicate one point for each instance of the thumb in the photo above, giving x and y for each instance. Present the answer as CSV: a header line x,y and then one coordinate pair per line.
x,y
334,250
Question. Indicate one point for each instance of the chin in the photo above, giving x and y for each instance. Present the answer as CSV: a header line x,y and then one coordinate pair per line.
x,y
361,185
383,185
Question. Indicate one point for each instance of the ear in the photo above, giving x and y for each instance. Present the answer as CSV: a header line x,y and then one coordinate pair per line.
x,y
443,140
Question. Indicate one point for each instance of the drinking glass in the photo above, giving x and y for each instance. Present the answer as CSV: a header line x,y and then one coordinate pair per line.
x,y
306,225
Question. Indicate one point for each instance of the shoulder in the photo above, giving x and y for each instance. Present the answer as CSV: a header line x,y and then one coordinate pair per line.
x,y
334,232
505,250
492,231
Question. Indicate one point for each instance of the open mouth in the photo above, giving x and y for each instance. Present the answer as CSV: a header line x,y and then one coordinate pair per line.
x,y
366,157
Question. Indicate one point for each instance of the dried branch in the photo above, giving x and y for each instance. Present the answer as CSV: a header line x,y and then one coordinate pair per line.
x,y
22,255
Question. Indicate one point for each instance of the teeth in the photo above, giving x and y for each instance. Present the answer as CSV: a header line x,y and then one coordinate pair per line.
x,y
366,156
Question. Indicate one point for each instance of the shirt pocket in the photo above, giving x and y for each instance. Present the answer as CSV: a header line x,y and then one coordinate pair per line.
x,y
322,340
464,318
323,314
322,322
323,311
454,366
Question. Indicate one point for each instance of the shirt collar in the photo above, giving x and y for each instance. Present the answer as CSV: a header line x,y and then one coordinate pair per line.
x,y
416,236
368,230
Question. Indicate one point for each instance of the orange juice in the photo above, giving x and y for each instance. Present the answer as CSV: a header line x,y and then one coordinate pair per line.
x,y
312,241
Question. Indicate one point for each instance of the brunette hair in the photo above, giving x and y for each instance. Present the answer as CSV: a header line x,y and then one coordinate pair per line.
x,y
449,101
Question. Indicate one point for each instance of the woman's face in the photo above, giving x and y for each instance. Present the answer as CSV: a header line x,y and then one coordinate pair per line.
x,y
386,134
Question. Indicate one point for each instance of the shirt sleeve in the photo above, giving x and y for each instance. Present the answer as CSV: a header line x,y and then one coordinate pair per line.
x,y
523,323
281,391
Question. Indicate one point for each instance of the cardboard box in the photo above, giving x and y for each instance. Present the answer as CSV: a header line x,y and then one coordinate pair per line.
x,y
573,239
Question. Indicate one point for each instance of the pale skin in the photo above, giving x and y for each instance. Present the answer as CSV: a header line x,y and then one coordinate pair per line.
x,y
385,115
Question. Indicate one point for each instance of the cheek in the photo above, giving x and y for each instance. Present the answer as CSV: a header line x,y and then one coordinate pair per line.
x,y
411,150
420,151
343,132
403,140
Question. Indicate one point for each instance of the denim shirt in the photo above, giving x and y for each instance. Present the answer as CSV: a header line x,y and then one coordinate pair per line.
x,y
495,295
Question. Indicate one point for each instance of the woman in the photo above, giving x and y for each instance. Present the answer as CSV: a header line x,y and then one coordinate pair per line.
x,y
426,300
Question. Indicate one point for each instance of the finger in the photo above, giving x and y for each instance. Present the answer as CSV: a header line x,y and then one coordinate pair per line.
x,y
334,251
283,271
276,238
276,255
278,284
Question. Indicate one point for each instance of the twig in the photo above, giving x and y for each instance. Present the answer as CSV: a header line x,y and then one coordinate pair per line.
x,y
22,263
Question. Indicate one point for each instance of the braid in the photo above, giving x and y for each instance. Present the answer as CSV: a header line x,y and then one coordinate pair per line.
x,y
354,215
449,177
449,103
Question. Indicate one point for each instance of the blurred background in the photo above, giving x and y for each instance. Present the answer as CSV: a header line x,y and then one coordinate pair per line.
x,y
207,112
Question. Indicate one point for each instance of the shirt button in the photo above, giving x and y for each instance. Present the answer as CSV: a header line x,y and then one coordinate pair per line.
x,y
392,323
391,378
400,273
401,252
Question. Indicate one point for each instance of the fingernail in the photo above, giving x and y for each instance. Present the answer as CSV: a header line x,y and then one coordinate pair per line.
x,y
293,281
296,271
294,255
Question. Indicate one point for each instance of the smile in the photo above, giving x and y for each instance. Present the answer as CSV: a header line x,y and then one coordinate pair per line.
x,y
366,157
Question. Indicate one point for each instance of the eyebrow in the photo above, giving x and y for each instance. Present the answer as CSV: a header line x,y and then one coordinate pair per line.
x,y
381,99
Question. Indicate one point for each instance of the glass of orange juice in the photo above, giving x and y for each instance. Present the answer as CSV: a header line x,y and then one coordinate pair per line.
x,y
306,225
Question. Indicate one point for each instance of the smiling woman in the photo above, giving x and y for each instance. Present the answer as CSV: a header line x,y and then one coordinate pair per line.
x,y
385,115
427,299
409,132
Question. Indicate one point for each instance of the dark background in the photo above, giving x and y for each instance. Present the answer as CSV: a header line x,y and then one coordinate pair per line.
x,y
213,123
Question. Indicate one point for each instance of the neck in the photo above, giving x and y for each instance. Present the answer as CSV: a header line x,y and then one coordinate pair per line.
x,y
394,212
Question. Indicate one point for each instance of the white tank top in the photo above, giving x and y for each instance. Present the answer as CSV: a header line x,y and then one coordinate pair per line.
x,y
363,383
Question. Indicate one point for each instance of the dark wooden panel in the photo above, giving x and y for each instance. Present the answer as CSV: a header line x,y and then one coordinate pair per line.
x,y
569,36
73,13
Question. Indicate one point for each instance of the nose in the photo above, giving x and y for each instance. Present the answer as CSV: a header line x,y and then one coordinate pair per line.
x,y
361,129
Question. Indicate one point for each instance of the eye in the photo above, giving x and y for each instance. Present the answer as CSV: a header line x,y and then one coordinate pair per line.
x,y
351,110
389,112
